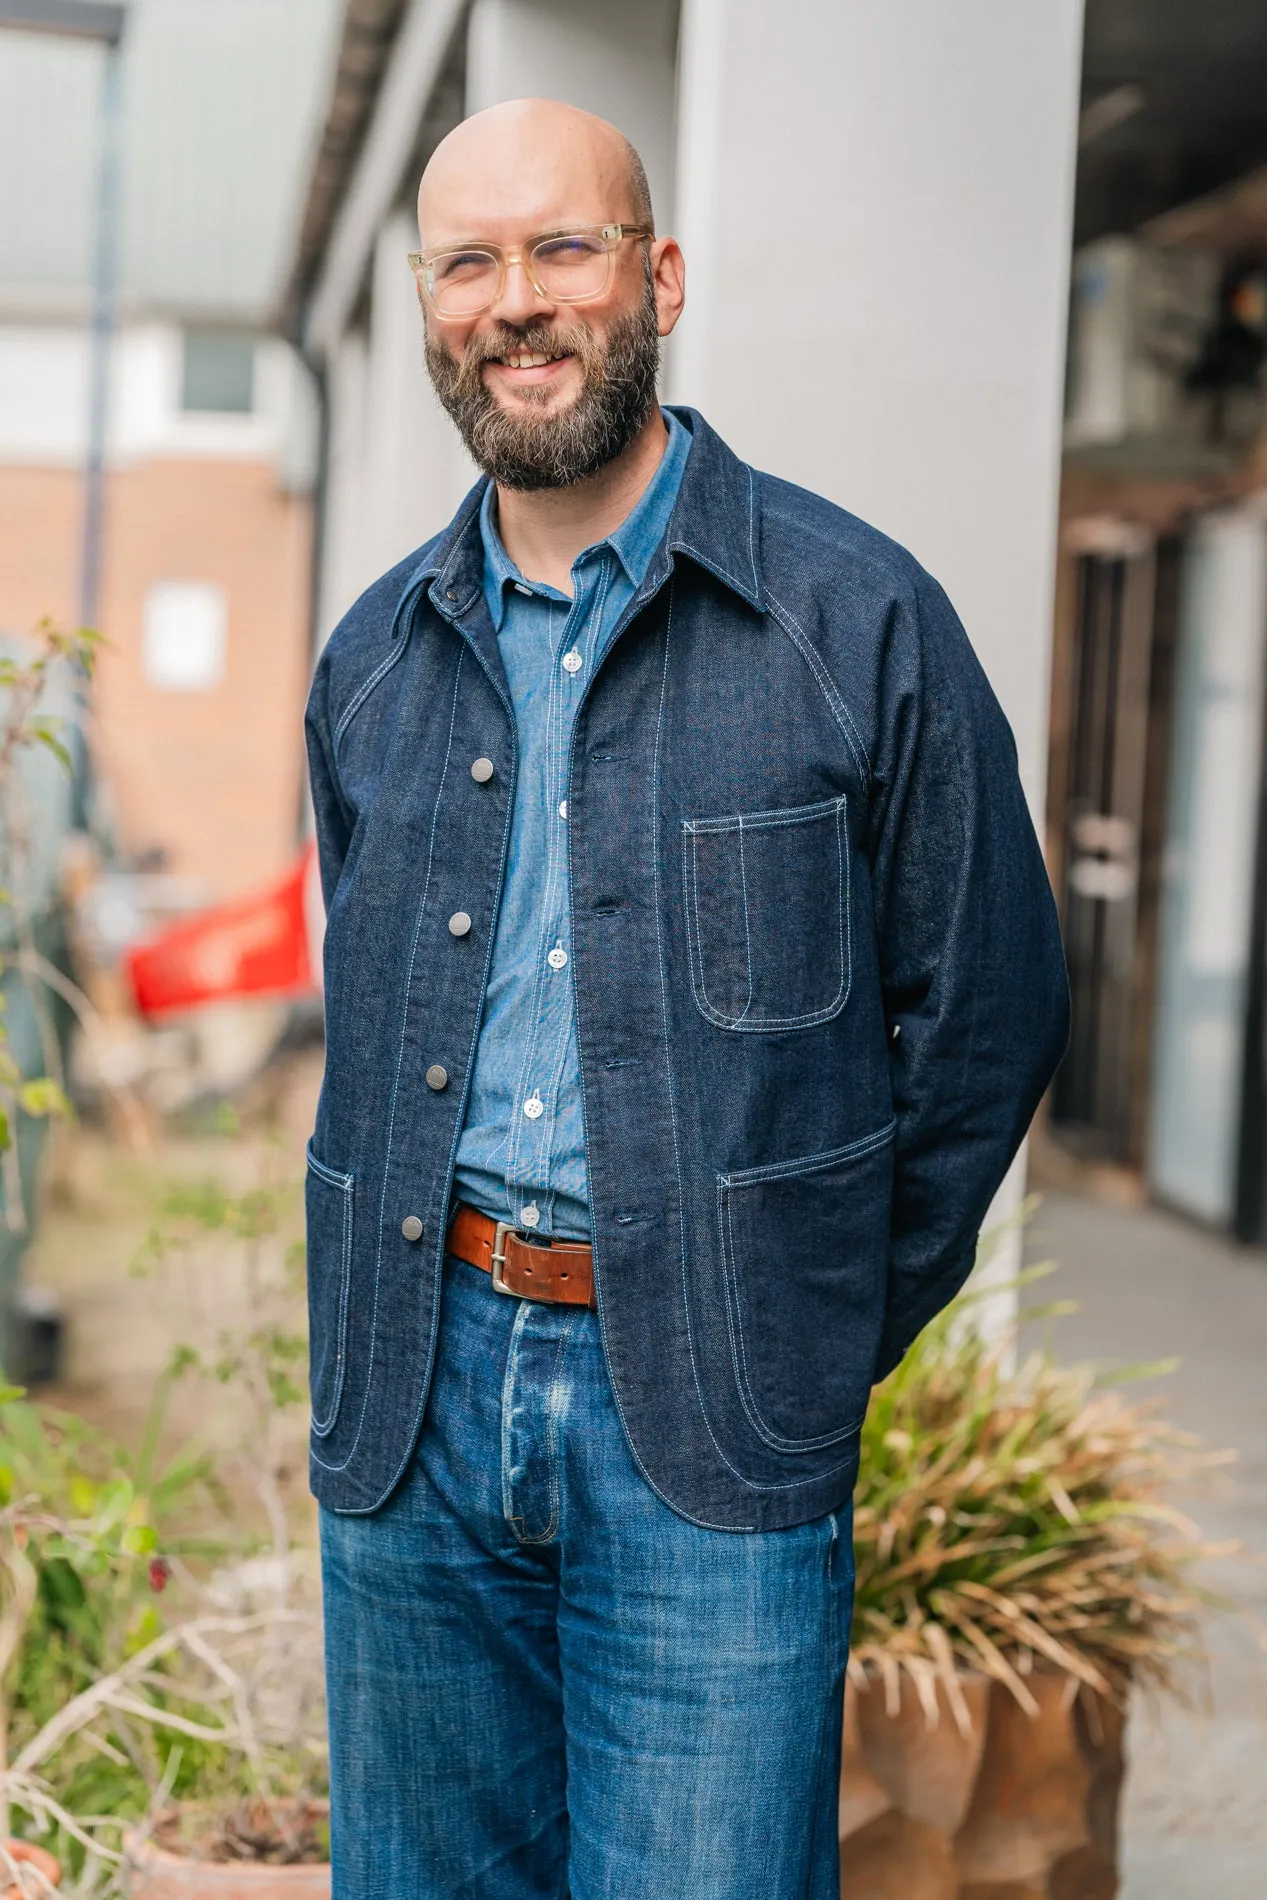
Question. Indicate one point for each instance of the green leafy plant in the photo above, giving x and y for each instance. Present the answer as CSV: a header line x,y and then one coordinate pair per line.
x,y
262,1361
85,1537
27,727
114,1710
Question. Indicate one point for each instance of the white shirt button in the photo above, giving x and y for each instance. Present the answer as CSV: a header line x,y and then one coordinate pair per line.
x,y
572,661
521,589
563,808
530,1216
534,1106
558,957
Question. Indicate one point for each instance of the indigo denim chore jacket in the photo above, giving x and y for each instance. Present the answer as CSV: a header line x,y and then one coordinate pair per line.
x,y
817,974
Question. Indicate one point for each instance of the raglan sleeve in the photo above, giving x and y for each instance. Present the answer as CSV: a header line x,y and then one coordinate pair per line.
x,y
973,973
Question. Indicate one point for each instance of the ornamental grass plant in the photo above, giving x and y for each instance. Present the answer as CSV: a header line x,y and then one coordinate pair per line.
x,y
1012,1518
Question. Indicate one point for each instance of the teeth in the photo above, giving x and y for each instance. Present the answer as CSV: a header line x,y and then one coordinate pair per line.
x,y
535,360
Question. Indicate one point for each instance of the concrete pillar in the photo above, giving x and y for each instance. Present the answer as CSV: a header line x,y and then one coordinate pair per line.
x,y
614,57
875,205
342,573
416,471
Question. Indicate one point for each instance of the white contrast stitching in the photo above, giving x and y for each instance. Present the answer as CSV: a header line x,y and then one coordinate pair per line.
x,y
765,1025
799,1169
827,685
343,1184
400,1054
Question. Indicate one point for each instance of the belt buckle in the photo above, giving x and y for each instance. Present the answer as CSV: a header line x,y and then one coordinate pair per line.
x,y
501,1233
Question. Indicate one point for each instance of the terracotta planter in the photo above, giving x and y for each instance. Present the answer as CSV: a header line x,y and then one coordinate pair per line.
x,y
1020,1808
158,1874
25,1854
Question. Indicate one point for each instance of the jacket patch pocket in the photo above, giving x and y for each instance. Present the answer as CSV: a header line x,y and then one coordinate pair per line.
x,y
805,1256
767,916
328,1197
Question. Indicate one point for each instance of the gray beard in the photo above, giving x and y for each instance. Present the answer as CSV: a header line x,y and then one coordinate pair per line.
x,y
523,451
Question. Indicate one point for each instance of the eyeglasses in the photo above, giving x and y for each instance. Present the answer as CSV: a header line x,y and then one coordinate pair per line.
x,y
563,266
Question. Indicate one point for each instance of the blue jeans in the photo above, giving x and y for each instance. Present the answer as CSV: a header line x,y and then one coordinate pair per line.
x,y
543,1682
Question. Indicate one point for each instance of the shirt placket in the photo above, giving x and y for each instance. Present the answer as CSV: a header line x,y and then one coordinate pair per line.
x,y
535,1114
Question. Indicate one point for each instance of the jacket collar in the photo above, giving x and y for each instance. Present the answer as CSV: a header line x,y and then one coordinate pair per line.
x,y
714,522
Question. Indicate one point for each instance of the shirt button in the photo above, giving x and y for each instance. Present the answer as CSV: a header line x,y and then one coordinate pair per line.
x,y
530,1216
534,1106
521,588
411,1227
459,924
482,771
558,957
572,661
437,1077
563,808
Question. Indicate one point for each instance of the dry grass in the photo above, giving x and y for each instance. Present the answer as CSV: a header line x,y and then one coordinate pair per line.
x,y
1013,1520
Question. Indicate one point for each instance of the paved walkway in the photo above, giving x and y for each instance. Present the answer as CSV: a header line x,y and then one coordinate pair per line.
x,y
1148,1287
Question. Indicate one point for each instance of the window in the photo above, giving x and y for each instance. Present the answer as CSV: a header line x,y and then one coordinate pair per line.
x,y
183,636
218,374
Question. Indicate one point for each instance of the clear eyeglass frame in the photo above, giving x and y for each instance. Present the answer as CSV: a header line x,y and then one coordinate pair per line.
x,y
607,236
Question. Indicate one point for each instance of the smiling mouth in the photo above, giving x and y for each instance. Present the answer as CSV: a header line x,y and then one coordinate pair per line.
x,y
529,359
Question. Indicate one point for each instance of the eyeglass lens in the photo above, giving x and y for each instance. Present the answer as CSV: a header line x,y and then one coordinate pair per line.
x,y
569,268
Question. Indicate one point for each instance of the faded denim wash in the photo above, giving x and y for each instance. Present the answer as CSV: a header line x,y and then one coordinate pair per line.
x,y
543,1683
816,967
522,1153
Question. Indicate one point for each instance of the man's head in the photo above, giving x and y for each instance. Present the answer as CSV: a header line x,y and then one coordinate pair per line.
x,y
545,389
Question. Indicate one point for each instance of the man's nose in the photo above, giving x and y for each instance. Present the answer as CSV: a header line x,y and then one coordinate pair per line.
x,y
520,300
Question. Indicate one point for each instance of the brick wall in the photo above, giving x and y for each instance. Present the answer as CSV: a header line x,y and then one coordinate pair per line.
x,y
212,777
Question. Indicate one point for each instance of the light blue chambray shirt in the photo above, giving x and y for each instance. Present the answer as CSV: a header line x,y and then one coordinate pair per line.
x,y
521,1157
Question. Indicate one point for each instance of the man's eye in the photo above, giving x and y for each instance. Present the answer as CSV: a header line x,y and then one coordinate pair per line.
x,y
461,264
566,250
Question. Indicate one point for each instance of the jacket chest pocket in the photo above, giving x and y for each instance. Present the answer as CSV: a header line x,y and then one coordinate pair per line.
x,y
767,916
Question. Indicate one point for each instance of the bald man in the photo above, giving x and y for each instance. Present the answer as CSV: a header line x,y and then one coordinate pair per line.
x,y
691,977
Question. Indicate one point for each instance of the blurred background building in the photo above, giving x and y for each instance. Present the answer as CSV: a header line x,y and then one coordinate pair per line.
x,y
211,423
1157,842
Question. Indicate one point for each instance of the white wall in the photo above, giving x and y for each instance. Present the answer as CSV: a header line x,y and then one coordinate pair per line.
x,y
415,469
342,559
912,165
613,57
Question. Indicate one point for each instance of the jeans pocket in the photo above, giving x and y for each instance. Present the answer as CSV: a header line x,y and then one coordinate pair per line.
x,y
767,916
329,1196
804,1254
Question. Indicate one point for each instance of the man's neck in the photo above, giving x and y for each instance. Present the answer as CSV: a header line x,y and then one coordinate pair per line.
x,y
544,529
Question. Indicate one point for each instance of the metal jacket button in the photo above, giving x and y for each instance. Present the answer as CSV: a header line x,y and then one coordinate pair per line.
x,y
459,924
482,771
411,1227
437,1077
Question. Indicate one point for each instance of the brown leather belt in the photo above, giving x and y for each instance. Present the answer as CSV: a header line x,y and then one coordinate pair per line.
x,y
560,1272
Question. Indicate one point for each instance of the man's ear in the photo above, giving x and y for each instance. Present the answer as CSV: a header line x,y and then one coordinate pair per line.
x,y
668,278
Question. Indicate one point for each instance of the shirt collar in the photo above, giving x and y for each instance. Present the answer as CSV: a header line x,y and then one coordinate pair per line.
x,y
633,543
715,522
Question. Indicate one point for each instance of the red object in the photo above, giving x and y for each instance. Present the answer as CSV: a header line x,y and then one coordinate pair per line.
x,y
160,1573
260,946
